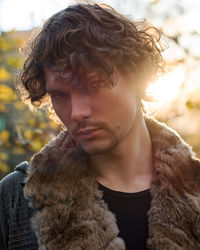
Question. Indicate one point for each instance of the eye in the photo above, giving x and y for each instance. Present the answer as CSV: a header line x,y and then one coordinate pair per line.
x,y
59,96
97,82
66,76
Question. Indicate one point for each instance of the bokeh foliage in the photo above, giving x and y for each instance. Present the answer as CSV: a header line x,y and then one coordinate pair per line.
x,y
22,132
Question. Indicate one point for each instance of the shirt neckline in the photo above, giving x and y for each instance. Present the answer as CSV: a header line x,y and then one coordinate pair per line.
x,y
111,192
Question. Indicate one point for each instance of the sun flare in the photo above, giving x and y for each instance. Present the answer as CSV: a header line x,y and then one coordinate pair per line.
x,y
167,87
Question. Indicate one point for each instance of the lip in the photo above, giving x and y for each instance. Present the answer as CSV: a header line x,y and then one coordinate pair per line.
x,y
87,133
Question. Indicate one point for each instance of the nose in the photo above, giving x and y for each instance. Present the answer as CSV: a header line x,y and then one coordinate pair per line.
x,y
80,108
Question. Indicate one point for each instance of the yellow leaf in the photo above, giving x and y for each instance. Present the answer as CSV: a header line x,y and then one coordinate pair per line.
x,y
19,105
54,125
31,121
18,151
4,167
12,61
36,145
3,156
4,74
4,45
19,41
43,125
28,134
3,108
7,94
4,135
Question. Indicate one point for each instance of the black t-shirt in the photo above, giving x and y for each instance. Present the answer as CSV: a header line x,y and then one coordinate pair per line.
x,y
131,214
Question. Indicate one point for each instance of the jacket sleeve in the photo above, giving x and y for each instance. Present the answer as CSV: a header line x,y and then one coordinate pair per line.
x,y
11,197
3,217
2,230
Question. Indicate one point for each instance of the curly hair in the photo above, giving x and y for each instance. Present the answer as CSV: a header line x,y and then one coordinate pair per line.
x,y
91,37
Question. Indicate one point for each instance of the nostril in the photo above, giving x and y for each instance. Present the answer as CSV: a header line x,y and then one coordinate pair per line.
x,y
80,113
79,117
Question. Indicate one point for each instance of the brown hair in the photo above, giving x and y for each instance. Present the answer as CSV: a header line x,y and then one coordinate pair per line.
x,y
91,37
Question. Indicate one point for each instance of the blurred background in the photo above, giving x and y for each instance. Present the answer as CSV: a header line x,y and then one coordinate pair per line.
x,y
176,94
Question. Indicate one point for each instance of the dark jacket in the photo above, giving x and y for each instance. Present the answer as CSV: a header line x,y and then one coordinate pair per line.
x,y
15,229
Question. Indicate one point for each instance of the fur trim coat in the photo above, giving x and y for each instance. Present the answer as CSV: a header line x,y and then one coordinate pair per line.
x,y
70,213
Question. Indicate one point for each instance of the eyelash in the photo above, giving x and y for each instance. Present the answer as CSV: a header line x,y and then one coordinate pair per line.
x,y
58,96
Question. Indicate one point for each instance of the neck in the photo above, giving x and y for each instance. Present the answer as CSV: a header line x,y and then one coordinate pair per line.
x,y
128,167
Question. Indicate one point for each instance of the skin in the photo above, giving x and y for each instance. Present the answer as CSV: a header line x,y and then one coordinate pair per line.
x,y
108,125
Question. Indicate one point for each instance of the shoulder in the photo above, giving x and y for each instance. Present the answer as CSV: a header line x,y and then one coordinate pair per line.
x,y
11,188
14,179
15,229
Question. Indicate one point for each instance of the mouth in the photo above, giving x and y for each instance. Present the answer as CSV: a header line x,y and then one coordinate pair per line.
x,y
87,133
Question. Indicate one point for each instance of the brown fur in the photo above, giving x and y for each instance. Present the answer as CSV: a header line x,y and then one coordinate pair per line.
x,y
70,213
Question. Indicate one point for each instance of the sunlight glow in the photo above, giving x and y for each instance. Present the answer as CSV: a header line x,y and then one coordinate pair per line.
x,y
167,87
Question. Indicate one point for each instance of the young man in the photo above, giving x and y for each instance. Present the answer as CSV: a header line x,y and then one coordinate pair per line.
x,y
114,179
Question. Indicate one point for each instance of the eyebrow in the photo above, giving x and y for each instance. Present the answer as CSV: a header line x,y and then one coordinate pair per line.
x,y
52,91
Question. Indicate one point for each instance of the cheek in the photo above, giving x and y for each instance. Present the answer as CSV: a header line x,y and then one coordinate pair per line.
x,y
63,112
124,113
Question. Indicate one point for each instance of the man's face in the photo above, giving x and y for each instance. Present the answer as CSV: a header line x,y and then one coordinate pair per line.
x,y
98,120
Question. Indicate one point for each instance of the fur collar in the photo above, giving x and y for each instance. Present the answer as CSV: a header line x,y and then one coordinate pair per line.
x,y
70,212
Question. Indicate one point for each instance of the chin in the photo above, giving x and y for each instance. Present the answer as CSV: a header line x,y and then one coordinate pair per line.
x,y
94,151
99,148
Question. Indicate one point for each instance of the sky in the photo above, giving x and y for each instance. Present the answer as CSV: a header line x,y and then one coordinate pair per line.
x,y
24,14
